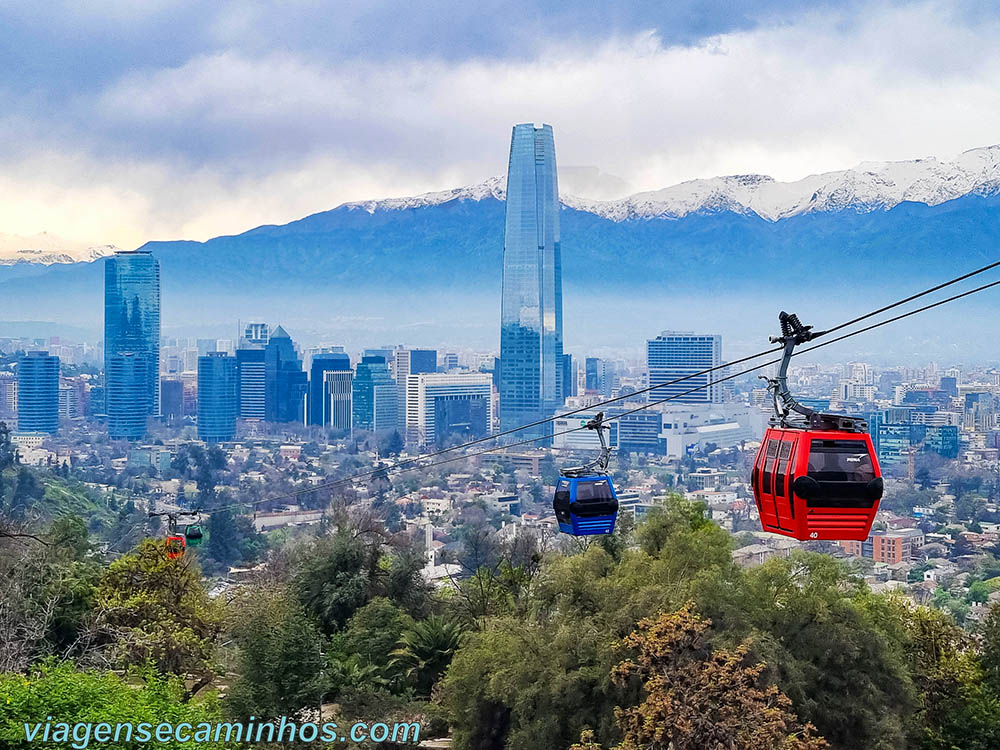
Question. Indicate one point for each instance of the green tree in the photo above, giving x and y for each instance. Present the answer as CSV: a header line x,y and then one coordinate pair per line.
x,y
331,581
69,695
280,663
232,539
393,444
375,630
979,592
151,608
425,651
816,641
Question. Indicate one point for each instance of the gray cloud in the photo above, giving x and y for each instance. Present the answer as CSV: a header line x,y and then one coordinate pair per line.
x,y
124,122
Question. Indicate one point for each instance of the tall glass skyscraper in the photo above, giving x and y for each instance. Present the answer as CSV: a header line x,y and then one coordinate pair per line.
x,y
374,395
531,340
131,342
217,400
285,381
38,393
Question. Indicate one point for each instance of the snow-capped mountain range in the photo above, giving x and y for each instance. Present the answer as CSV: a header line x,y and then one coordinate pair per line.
x,y
870,186
866,188
47,249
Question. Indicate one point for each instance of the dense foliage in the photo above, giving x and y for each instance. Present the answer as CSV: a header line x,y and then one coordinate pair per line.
x,y
651,638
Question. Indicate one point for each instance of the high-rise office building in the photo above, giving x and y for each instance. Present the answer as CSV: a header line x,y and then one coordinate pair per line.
x,y
320,409
449,361
443,406
38,393
69,401
531,340
409,362
680,354
337,400
131,342
374,395
172,401
217,401
385,353
127,381
251,374
568,380
592,374
8,395
285,382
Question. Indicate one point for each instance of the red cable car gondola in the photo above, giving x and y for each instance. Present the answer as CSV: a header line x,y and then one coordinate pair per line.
x,y
175,546
816,476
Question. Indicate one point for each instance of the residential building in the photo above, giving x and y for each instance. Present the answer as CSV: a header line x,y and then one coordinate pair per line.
x,y
69,401
8,395
131,342
531,329
887,546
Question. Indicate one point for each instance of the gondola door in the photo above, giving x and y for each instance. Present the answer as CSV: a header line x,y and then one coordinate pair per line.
x,y
783,499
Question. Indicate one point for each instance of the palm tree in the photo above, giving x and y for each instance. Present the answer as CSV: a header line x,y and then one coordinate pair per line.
x,y
425,651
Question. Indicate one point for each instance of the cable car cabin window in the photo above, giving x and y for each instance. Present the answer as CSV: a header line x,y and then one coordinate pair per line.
x,y
844,472
772,451
783,454
594,497
840,461
588,491
560,503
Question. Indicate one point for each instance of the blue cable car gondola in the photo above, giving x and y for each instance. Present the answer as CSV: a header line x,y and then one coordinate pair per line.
x,y
585,501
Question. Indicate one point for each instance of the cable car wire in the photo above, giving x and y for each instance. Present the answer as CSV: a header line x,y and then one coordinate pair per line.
x,y
417,461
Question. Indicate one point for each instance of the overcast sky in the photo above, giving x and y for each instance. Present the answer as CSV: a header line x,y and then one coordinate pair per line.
x,y
125,121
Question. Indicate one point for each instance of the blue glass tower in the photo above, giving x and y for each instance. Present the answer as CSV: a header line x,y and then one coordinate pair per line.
x,y
374,395
285,381
38,393
319,395
217,397
531,341
252,376
131,342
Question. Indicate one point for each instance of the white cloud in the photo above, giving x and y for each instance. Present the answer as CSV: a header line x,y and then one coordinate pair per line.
x,y
226,141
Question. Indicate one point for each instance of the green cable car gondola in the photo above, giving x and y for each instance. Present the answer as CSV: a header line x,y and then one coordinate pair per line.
x,y
194,535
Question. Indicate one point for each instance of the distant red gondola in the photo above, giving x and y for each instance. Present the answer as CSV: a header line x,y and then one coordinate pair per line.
x,y
175,546
816,476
